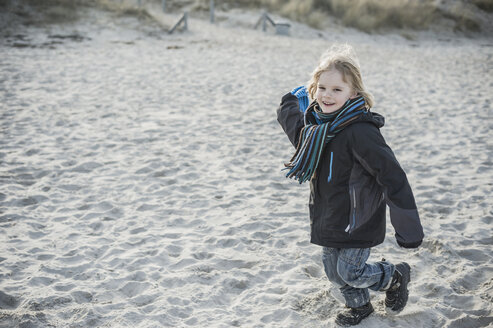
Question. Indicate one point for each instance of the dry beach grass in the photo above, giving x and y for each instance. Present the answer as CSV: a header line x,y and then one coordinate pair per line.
x,y
141,183
365,15
371,15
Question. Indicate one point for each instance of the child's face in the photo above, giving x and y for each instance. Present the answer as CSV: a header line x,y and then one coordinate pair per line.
x,y
332,92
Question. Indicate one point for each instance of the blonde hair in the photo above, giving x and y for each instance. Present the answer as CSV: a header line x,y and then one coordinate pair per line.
x,y
343,59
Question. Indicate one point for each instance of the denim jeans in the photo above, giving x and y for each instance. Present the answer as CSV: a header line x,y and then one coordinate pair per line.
x,y
347,269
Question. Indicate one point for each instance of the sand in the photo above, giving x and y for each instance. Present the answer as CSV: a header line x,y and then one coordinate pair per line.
x,y
141,182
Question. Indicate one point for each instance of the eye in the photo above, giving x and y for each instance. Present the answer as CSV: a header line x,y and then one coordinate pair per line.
x,y
321,88
337,90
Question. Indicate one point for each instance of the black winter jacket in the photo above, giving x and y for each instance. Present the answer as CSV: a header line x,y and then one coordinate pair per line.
x,y
357,176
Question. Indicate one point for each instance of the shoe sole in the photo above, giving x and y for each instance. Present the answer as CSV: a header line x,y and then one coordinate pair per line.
x,y
406,278
339,324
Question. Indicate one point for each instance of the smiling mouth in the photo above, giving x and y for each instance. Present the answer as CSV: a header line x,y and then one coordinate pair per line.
x,y
327,104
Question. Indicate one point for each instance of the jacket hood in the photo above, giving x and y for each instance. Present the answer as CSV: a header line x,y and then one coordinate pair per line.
x,y
374,118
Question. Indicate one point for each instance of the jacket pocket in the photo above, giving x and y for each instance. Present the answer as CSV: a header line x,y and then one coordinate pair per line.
x,y
352,213
364,203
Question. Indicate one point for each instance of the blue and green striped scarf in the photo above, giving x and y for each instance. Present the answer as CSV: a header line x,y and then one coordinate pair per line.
x,y
318,133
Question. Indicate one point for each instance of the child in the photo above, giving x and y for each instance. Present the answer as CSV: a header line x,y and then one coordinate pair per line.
x,y
353,174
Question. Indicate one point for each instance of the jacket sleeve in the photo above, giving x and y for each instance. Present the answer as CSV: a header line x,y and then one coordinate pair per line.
x,y
290,117
371,150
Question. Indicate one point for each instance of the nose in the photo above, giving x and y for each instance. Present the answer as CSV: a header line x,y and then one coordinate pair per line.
x,y
327,94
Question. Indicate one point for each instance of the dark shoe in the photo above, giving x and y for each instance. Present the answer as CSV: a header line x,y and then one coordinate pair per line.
x,y
353,316
397,294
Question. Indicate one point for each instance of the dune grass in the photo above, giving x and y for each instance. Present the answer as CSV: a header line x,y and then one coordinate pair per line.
x,y
47,12
369,15
366,15
486,5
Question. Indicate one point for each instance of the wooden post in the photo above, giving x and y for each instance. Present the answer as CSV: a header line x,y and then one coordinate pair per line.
x,y
264,18
183,20
267,17
211,9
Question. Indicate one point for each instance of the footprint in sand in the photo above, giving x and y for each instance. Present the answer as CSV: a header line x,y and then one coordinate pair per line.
x,y
8,301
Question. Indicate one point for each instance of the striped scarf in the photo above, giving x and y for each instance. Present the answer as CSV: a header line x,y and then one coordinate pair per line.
x,y
315,135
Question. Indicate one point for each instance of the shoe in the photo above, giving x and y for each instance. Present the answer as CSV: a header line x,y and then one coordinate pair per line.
x,y
353,316
397,294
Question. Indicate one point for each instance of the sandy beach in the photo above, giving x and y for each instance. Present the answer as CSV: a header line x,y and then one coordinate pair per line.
x,y
141,182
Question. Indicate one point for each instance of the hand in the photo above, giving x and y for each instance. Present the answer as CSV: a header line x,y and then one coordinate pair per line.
x,y
302,95
410,245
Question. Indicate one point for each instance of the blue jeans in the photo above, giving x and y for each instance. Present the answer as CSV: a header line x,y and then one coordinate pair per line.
x,y
347,269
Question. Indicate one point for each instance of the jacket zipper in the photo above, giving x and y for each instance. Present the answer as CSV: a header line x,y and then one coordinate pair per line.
x,y
352,219
330,166
354,208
